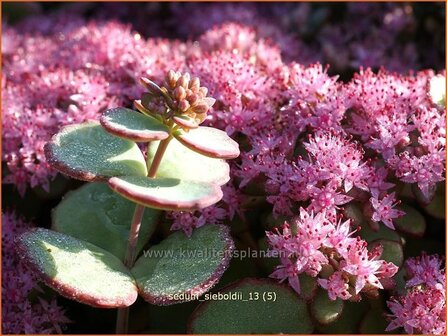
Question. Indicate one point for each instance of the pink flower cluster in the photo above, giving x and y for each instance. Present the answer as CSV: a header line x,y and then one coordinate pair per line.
x,y
394,116
20,313
320,246
422,310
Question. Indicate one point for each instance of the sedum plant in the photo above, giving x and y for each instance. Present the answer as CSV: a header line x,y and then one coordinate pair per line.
x,y
99,230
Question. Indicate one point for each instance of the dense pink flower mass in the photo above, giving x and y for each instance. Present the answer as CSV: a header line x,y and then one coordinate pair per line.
x,y
313,144
394,116
20,313
383,210
422,310
311,241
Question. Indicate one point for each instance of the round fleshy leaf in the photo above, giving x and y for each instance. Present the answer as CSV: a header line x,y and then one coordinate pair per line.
x,y
131,125
96,214
77,269
166,193
87,152
181,268
258,306
412,223
325,310
353,211
184,164
209,141
392,251
349,320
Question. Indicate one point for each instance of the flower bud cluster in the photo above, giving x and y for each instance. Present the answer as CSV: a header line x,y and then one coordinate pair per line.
x,y
181,96
189,98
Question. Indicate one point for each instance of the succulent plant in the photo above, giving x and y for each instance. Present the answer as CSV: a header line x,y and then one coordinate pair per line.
x,y
90,255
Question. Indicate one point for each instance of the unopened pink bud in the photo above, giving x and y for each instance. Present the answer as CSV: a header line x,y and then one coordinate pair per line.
x,y
188,93
171,78
183,80
193,98
194,84
179,93
183,105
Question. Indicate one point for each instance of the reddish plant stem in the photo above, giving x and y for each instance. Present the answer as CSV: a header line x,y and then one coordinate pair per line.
x,y
133,235
122,319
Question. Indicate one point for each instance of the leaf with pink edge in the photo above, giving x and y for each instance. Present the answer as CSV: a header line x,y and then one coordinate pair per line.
x,y
166,193
185,121
77,269
96,214
258,306
182,163
210,142
129,124
181,268
87,152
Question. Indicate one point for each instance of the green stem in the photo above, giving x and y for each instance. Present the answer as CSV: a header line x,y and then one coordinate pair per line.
x,y
122,320
158,156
